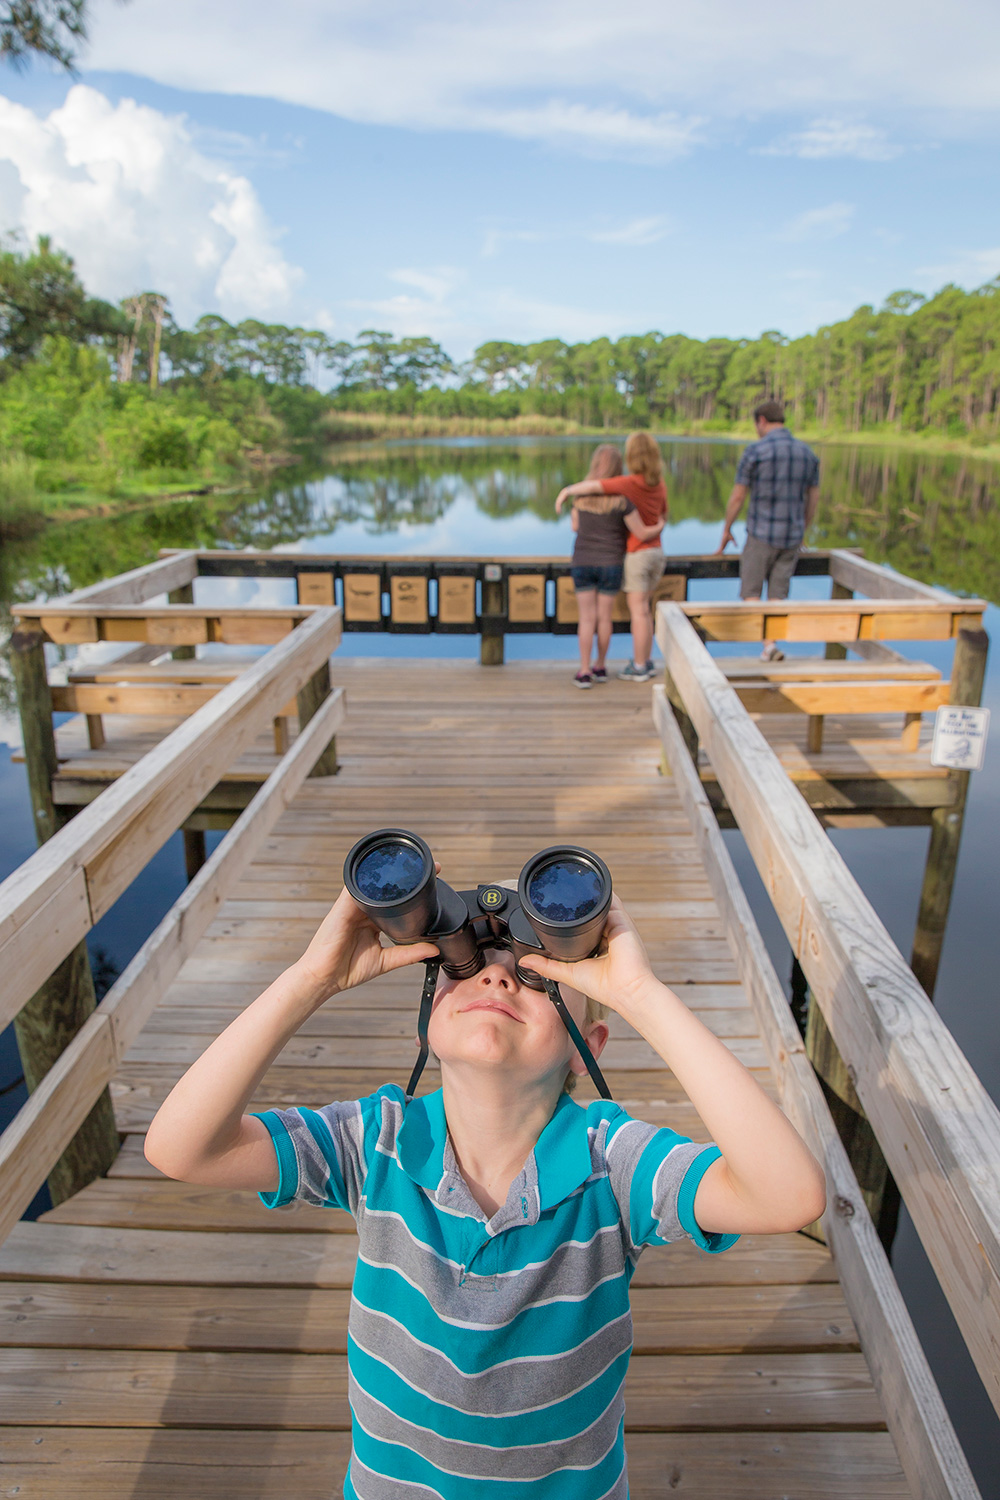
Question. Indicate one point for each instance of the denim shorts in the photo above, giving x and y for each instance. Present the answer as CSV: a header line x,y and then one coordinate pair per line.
x,y
604,580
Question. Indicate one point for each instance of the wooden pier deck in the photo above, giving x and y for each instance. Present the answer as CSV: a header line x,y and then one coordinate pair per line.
x,y
160,1340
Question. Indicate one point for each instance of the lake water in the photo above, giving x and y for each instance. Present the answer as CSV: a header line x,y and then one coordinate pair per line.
x,y
937,519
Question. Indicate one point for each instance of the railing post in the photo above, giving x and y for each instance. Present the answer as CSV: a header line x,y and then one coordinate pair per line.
x,y
860,1142
684,723
491,637
835,651
968,672
182,595
309,699
54,1014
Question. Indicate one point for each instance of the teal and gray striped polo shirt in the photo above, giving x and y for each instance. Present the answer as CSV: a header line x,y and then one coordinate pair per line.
x,y
487,1357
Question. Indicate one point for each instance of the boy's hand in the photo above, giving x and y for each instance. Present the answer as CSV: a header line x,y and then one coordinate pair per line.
x,y
346,950
618,975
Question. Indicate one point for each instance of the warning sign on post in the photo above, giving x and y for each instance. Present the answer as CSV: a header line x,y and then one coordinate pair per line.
x,y
960,737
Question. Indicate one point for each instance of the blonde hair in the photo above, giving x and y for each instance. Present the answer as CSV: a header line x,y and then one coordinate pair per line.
x,y
642,454
593,1011
605,462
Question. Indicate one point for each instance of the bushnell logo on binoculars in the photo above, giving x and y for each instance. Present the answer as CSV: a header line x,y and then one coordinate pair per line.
x,y
559,909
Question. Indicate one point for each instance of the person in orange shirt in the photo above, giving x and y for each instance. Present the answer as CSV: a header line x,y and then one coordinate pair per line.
x,y
644,559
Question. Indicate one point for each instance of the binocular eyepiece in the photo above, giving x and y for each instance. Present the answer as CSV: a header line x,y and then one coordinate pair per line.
x,y
559,909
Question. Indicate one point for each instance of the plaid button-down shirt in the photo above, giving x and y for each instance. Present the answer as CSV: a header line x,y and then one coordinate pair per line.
x,y
779,471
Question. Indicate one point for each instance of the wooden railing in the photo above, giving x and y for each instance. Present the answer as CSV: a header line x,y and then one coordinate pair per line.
x,y
935,1123
50,903
500,596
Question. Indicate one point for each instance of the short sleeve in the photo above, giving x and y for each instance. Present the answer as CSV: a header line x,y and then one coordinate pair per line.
x,y
655,1175
747,465
323,1154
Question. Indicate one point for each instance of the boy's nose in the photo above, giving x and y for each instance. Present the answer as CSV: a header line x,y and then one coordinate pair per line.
x,y
495,974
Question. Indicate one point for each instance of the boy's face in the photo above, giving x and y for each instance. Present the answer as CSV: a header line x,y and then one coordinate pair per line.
x,y
493,1021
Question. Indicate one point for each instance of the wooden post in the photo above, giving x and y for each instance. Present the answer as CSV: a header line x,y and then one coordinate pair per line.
x,y
194,851
967,674
55,1013
687,729
182,595
316,690
835,650
27,657
491,638
874,1178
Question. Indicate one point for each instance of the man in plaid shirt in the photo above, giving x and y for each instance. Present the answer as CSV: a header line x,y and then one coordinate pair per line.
x,y
781,476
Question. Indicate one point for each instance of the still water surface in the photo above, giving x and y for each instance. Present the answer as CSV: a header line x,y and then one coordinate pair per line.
x,y
937,519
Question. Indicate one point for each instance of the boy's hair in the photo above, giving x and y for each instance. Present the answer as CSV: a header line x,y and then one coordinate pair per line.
x,y
769,411
642,454
593,1012
605,462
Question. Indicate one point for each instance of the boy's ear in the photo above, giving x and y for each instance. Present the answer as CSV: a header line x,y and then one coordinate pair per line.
x,y
595,1036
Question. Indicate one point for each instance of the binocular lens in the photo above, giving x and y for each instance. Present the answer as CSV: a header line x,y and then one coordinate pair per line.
x,y
565,890
389,872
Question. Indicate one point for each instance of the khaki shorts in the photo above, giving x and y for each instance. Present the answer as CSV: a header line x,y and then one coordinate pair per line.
x,y
643,570
760,563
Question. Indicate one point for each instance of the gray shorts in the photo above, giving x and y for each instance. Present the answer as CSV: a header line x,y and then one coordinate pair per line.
x,y
761,563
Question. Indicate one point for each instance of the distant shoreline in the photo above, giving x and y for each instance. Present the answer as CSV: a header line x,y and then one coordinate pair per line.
x,y
346,427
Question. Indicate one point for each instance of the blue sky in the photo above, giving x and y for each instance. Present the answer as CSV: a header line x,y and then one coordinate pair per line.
x,y
516,171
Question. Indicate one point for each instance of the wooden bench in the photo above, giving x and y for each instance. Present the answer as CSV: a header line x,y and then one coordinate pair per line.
x,y
817,687
163,689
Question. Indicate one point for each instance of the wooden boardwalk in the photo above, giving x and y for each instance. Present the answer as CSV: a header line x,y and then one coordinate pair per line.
x,y
161,1340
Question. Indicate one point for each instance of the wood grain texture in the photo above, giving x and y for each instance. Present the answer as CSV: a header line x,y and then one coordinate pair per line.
x,y
939,1129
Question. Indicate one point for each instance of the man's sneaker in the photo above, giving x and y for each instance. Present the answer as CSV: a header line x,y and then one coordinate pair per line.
x,y
772,652
599,674
633,673
583,680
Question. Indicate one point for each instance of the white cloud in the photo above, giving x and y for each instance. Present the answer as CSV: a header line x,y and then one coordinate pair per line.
x,y
969,268
126,192
819,223
635,232
633,79
831,138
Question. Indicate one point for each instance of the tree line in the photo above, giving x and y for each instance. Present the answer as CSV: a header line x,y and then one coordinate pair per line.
x,y
98,393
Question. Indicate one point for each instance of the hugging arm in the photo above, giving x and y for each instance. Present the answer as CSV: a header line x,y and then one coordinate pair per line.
x,y
583,487
201,1133
638,528
767,1181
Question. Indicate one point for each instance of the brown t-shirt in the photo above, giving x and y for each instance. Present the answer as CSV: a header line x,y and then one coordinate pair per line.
x,y
650,500
601,533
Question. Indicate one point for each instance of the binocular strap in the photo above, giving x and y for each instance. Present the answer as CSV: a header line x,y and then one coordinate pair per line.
x,y
552,990
432,969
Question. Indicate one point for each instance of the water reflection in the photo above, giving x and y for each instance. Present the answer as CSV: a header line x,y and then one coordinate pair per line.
x,y
936,518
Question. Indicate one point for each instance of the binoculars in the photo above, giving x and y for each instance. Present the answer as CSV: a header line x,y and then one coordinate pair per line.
x,y
559,910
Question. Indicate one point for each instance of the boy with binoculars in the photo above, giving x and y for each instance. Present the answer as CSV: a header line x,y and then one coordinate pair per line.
x,y
499,1222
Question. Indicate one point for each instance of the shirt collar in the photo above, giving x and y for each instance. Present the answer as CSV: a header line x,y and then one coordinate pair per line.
x,y
562,1151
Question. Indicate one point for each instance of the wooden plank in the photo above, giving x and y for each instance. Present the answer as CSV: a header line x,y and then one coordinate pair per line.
x,y
206,1389
842,697
54,1112
294,1320
97,1254
60,1463
816,669
834,620
938,1127
177,624
139,584
878,582
928,1447
163,699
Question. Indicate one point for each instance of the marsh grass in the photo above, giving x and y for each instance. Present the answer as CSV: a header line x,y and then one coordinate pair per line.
x,y
20,509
